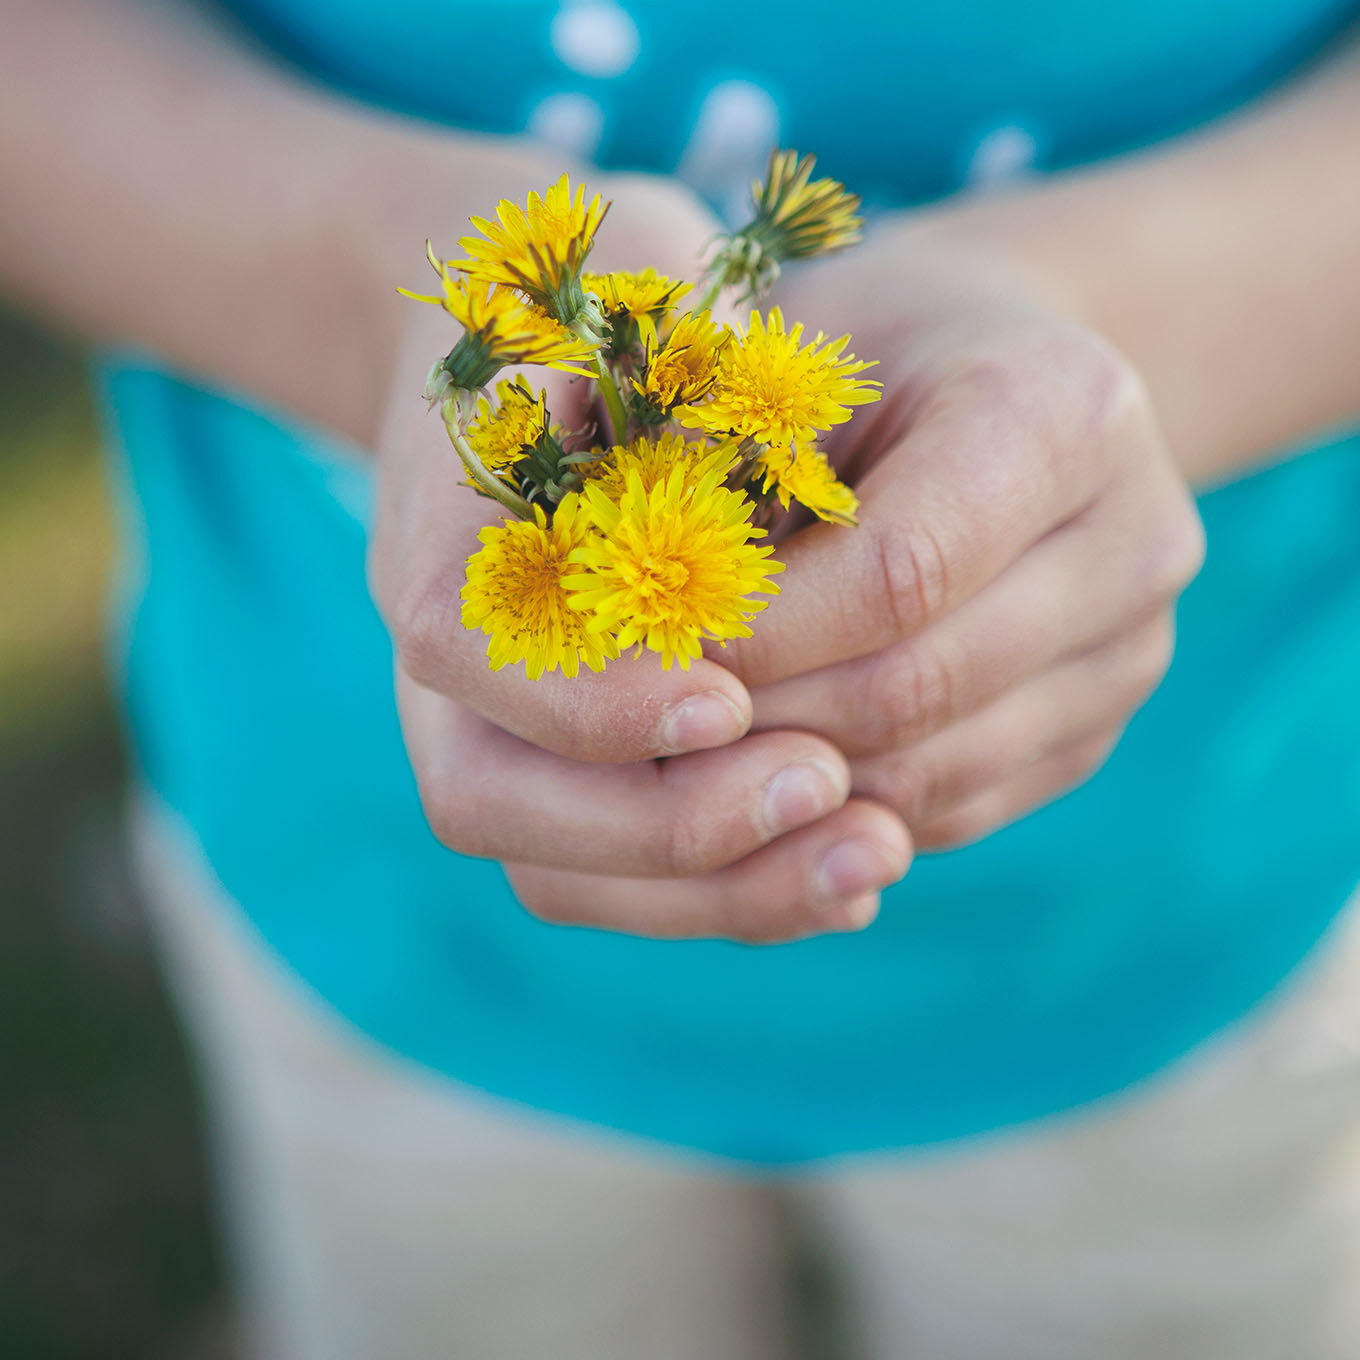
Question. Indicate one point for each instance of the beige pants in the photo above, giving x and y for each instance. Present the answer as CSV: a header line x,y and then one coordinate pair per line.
x,y
380,1212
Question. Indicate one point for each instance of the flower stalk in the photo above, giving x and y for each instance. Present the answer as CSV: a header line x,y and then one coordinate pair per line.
x,y
608,544
613,402
477,470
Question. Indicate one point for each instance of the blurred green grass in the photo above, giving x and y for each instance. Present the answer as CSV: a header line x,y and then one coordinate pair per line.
x,y
105,1246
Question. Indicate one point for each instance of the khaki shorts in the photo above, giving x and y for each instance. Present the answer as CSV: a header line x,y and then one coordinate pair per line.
x,y
380,1212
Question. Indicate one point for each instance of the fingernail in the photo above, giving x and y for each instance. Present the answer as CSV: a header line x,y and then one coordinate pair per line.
x,y
799,794
703,720
850,869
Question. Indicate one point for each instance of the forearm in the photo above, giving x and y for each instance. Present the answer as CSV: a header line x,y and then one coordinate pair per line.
x,y
1225,265
168,189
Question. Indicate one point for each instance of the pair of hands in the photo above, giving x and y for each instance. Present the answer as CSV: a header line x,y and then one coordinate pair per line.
x,y
968,653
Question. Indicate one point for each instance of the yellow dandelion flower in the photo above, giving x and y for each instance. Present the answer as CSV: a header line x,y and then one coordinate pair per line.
x,y
515,593
653,458
773,389
684,368
671,566
500,435
643,298
797,216
539,248
502,330
801,472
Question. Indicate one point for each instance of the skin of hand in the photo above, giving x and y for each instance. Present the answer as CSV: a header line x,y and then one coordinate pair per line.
x,y
196,158
632,799
976,646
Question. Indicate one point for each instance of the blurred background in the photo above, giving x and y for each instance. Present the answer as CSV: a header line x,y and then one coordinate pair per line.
x,y
105,1248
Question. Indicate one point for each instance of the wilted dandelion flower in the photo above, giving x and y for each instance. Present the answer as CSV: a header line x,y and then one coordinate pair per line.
x,y
539,248
797,216
684,368
773,389
801,472
653,458
515,593
643,298
671,566
501,435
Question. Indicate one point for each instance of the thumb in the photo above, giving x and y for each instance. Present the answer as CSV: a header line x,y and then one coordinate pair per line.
x,y
427,527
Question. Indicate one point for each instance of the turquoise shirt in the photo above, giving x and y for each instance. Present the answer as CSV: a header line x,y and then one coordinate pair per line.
x,y
1059,960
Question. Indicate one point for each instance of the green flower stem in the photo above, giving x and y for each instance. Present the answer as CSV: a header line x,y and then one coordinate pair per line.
x,y
613,403
710,294
476,469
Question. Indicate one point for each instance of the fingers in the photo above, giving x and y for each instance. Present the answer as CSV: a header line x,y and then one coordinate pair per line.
x,y
823,878
1088,699
428,524
973,483
1046,780
1077,588
490,794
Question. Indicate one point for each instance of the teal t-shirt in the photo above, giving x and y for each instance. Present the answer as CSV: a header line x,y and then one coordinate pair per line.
x,y
1057,961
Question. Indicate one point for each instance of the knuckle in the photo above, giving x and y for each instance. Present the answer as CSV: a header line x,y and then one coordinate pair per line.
x,y
1154,657
910,576
453,817
1077,397
426,615
1115,398
1130,669
911,693
961,827
1175,551
1104,404
1099,391
542,903
1102,396
686,847
1188,544
996,383
911,787
1077,765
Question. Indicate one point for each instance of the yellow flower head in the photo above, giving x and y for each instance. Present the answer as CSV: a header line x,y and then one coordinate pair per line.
x,y
539,248
801,472
653,458
643,298
515,593
671,566
502,330
775,390
683,369
502,435
797,216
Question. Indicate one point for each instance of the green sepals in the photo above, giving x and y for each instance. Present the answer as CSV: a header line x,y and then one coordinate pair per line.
x,y
744,260
546,471
566,302
642,410
622,339
470,364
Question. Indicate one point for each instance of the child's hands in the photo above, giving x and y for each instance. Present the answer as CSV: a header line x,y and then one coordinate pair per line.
x,y
561,779
976,646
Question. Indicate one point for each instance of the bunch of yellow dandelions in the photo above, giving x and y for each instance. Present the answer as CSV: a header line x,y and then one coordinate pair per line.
x,y
641,529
